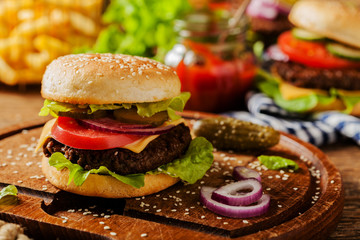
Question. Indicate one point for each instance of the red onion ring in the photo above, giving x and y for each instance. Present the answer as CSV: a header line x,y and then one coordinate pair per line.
x,y
258,209
275,53
110,125
282,8
242,173
230,195
259,9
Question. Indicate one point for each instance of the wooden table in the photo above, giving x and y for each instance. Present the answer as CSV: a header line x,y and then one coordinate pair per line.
x,y
20,108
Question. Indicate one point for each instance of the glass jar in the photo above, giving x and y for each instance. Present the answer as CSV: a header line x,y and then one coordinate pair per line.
x,y
212,62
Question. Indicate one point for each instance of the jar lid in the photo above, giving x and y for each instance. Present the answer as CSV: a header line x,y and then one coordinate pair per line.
x,y
207,26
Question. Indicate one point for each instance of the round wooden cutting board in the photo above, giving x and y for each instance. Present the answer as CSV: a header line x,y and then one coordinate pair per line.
x,y
305,204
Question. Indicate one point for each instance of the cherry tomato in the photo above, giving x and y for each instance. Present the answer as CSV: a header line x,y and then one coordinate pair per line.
x,y
313,54
67,131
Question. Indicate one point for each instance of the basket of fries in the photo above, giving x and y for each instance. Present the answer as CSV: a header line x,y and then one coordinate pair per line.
x,y
34,32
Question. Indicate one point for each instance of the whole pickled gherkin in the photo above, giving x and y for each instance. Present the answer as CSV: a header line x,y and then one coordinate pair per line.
x,y
233,134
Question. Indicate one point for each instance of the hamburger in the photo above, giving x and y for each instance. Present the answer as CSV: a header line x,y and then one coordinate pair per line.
x,y
116,131
316,66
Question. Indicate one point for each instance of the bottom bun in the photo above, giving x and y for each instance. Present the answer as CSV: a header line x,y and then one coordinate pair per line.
x,y
106,186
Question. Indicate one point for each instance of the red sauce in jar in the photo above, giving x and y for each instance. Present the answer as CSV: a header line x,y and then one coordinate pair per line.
x,y
215,84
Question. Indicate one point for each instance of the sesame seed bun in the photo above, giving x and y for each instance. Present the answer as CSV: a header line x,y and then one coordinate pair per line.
x,y
106,186
108,78
337,20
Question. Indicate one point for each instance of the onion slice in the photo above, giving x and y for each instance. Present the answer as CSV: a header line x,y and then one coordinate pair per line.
x,y
258,209
111,125
230,194
242,173
274,53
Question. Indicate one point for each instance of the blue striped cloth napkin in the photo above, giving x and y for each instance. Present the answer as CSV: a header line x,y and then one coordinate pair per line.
x,y
318,129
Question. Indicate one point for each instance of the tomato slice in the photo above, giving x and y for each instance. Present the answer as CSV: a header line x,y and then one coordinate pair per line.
x,y
67,131
313,54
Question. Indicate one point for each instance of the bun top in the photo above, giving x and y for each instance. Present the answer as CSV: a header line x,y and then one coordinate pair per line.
x,y
335,19
108,78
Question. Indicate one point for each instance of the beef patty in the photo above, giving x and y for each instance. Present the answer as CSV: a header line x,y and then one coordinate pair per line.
x,y
307,77
164,149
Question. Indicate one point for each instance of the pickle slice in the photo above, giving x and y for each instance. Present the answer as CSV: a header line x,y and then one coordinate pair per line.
x,y
131,116
233,134
82,114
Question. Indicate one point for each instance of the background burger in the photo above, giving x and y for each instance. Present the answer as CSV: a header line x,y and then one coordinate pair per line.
x,y
316,66
116,132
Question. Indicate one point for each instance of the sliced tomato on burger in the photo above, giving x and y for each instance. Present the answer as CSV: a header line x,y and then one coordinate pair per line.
x,y
313,54
69,132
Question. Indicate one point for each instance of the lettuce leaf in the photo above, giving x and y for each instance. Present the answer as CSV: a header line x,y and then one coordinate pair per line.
x,y
270,86
170,105
194,164
78,175
190,168
349,101
8,195
141,27
143,109
277,162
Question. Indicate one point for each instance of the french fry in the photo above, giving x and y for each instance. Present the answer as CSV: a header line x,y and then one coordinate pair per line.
x,y
37,61
83,24
4,30
26,15
7,73
8,45
34,32
53,46
32,28
28,76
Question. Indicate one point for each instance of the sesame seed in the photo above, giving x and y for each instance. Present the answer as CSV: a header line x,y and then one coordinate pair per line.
x,y
143,235
102,223
225,223
107,216
158,210
280,206
64,221
295,188
245,221
332,181
106,228
202,217
218,218
113,233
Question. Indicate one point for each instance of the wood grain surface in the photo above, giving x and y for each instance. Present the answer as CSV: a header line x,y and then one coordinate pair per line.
x,y
305,204
345,155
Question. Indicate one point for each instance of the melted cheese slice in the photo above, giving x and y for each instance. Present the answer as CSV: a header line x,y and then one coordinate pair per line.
x,y
348,93
136,146
290,92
